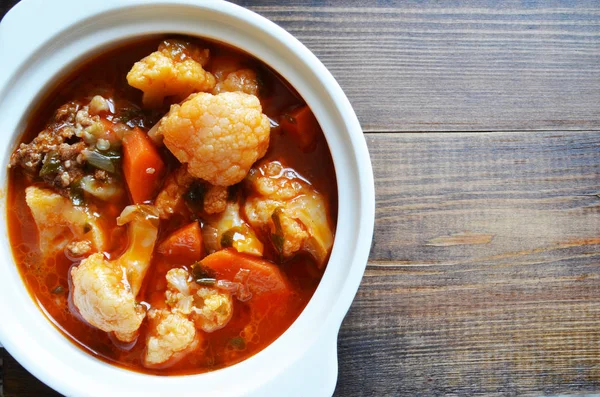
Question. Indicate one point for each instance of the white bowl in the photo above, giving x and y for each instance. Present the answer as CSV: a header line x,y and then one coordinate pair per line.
x,y
39,41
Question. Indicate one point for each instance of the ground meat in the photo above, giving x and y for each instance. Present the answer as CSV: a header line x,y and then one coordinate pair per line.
x,y
65,168
67,112
30,156
55,153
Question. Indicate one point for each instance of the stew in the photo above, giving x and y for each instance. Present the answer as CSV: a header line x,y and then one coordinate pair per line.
x,y
172,205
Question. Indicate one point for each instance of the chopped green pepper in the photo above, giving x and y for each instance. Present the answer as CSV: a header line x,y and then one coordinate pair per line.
x,y
76,193
229,236
109,161
134,117
199,272
51,165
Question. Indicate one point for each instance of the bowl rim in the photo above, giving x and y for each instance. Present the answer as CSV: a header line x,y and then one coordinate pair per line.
x,y
351,148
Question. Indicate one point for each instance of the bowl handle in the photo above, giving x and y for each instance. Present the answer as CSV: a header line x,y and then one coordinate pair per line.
x,y
314,374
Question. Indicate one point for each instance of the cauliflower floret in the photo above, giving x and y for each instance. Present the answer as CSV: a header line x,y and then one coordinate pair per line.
x,y
218,136
103,296
215,311
228,229
173,330
59,222
290,210
243,80
211,309
104,292
178,295
174,70
172,336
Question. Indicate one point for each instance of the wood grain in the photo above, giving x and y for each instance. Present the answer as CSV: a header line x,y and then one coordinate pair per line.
x,y
459,65
522,191
496,329
485,270
18,382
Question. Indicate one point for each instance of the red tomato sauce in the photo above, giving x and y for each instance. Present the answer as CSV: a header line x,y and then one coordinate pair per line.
x,y
255,324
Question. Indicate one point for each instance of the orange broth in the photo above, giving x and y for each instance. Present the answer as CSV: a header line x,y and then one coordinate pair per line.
x,y
48,280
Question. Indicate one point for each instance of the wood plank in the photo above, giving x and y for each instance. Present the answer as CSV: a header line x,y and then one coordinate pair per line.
x,y
479,65
453,199
496,330
17,382
484,276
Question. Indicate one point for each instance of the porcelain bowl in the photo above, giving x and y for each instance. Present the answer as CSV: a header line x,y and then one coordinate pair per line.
x,y
40,41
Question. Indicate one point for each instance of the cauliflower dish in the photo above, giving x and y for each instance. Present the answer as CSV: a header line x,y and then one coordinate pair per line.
x,y
172,206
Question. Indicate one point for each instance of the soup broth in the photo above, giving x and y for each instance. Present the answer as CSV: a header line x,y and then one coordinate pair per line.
x,y
246,276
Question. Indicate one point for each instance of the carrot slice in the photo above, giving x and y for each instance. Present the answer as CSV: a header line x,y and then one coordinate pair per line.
x,y
302,126
142,165
265,279
184,244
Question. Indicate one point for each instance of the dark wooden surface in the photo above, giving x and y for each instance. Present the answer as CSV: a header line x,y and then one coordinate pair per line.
x,y
482,119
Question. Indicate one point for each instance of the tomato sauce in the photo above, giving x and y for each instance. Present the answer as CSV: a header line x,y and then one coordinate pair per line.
x,y
48,279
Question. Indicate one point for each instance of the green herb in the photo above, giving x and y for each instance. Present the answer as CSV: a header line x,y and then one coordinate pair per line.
x,y
199,271
52,164
76,193
278,242
128,114
109,161
58,290
194,196
228,238
207,282
277,237
134,117
238,343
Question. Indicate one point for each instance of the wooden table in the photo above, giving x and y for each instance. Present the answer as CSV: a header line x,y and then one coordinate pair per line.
x,y
482,120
